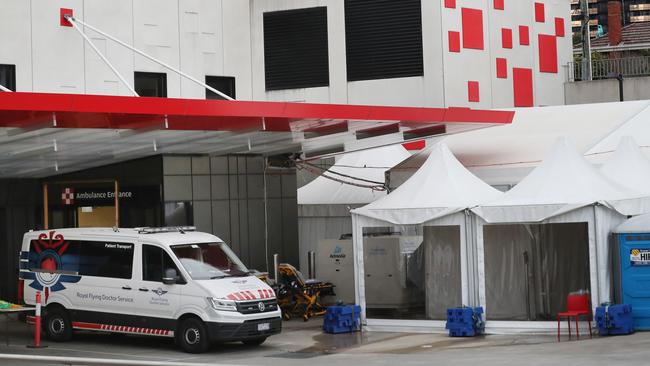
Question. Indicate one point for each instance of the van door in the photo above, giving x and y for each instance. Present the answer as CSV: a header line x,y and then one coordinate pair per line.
x,y
156,303
104,294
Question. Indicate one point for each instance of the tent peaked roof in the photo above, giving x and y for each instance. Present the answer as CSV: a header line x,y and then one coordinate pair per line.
x,y
562,182
440,187
563,177
628,166
367,164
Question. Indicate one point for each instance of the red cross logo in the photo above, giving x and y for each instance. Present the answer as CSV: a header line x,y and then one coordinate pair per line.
x,y
67,196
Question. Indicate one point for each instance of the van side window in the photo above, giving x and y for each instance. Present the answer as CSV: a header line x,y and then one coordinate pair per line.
x,y
86,258
104,259
154,263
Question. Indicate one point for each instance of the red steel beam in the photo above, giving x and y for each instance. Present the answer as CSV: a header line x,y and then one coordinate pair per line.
x,y
98,111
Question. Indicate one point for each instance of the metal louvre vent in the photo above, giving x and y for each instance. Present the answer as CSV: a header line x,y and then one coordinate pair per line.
x,y
383,39
295,48
252,307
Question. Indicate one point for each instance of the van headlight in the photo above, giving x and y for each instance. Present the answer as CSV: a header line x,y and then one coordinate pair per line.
x,y
223,305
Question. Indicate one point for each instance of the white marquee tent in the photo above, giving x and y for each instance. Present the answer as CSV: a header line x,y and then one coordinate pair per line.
x,y
324,204
630,168
433,203
549,225
503,155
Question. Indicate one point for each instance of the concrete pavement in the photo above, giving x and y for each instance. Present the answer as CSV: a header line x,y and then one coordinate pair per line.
x,y
304,343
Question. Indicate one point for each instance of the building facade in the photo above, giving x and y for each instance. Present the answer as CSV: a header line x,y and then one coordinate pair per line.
x,y
633,11
442,53
412,52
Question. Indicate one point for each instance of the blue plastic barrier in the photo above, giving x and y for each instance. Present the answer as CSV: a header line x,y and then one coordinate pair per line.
x,y
465,322
342,319
615,319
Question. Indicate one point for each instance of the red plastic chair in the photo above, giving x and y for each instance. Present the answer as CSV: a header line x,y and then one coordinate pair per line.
x,y
577,305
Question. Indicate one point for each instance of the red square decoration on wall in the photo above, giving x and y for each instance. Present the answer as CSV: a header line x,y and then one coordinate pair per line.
x,y
547,53
524,37
522,82
559,27
502,68
62,20
506,37
539,13
472,20
454,41
473,91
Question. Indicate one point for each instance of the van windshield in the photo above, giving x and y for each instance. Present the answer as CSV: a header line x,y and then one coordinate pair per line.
x,y
205,261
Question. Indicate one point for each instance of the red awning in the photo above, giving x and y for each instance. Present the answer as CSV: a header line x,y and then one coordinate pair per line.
x,y
34,122
99,111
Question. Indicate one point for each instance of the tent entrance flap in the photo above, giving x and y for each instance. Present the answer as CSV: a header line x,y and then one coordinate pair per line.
x,y
413,273
531,268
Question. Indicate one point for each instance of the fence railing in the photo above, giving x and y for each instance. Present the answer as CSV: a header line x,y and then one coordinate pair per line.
x,y
611,68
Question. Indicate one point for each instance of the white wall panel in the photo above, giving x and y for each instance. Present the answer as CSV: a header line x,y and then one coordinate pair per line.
x,y
548,84
225,38
516,13
201,43
156,30
394,92
468,64
432,44
15,37
115,18
237,46
58,52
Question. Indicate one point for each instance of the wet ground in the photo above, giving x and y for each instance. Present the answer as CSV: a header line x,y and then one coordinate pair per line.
x,y
304,344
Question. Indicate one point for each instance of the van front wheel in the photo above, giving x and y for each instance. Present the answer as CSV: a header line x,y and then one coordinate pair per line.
x,y
57,325
192,336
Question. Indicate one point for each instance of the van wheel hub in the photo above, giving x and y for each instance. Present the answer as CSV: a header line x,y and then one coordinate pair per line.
x,y
192,336
57,326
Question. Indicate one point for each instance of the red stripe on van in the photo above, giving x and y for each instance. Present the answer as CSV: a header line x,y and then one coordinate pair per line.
x,y
86,325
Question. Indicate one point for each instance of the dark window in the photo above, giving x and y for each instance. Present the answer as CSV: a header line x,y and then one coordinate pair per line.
x,y
295,49
8,76
86,258
179,213
383,39
151,84
155,261
224,84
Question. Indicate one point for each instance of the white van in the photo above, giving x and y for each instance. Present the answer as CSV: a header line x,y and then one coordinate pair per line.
x,y
170,282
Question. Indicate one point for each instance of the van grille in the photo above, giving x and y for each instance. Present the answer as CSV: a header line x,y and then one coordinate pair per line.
x,y
253,307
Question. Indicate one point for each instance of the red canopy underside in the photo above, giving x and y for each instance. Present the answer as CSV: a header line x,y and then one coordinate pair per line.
x,y
116,112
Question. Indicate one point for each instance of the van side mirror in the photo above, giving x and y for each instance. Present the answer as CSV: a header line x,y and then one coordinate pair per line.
x,y
170,277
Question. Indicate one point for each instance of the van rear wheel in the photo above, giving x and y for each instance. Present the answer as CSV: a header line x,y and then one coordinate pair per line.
x,y
192,336
57,325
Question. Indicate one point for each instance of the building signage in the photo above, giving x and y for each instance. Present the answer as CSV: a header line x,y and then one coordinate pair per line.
x,y
640,257
92,196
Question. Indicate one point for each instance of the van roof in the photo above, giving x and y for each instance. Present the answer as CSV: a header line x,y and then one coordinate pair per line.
x,y
164,238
